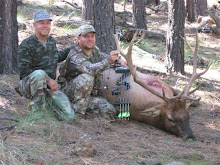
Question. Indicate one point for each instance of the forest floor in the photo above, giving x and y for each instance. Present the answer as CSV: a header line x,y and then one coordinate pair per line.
x,y
39,139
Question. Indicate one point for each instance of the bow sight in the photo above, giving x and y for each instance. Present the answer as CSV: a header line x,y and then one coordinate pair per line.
x,y
122,90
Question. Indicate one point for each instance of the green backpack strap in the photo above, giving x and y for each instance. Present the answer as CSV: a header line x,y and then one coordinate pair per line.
x,y
64,69
64,65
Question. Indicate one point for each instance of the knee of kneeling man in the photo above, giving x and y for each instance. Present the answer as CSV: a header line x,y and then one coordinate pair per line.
x,y
39,73
71,116
87,79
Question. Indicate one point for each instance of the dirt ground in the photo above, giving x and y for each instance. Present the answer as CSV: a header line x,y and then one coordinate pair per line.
x,y
92,140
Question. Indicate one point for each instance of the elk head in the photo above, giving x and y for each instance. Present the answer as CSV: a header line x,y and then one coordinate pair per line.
x,y
172,112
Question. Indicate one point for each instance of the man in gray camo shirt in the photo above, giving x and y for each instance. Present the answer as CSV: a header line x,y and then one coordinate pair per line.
x,y
37,62
84,64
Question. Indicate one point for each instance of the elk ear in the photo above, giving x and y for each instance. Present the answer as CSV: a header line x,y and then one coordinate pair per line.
x,y
192,103
151,112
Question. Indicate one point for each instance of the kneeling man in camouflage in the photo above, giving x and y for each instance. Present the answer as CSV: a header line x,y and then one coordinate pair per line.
x,y
81,71
37,63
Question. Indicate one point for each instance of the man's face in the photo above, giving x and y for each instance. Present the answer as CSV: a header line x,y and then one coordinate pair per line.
x,y
42,28
87,41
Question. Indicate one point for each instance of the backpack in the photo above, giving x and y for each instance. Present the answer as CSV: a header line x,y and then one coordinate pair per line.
x,y
62,71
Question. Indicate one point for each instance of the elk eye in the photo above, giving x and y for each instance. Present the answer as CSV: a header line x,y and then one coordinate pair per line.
x,y
170,118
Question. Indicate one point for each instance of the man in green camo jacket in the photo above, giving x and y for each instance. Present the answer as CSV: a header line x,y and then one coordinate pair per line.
x,y
83,66
37,62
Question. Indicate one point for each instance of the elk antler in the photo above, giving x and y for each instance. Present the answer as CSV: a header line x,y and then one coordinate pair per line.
x,y
136,78
195,75
184,95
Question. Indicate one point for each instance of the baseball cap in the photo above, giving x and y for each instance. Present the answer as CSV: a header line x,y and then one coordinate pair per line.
x,y
84,29
41,15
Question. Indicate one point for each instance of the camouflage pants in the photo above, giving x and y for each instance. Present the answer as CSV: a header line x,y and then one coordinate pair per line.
x,y
79,92
34,87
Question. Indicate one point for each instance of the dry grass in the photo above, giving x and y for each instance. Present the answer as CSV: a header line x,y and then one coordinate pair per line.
x,y
97,142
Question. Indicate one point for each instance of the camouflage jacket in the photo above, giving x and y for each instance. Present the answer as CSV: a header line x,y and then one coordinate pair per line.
x,y
79,62
32,55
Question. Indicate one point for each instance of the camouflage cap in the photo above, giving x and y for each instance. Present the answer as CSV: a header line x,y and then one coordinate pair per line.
x,y
41,15
84,29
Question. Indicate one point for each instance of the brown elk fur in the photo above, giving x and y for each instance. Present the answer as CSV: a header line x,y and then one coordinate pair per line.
x,y
152,100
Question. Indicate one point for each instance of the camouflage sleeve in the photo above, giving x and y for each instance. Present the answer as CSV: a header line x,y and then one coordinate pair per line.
x,y
24,60
64,53
83,65
102,55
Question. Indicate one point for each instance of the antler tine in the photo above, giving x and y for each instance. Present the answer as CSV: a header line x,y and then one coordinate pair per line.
x,y
191,98
191,92
164,94
128,57
187,42
178,96
195,57
195,75
136,78
193,78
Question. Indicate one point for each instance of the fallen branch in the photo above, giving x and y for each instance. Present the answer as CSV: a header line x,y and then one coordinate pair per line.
x,y
215,17
154,9
216,7
215,97
211,22
7,118
64,9
8,127
72,4
62,23
149,34
147,71
71,22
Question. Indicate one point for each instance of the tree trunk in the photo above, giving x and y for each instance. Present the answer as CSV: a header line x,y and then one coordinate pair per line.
x,y
87,9
175,42
201,7
8,37
139,14
104,25
191,10
216,29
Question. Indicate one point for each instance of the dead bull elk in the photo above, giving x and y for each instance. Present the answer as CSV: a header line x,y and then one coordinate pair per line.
x,y
153,101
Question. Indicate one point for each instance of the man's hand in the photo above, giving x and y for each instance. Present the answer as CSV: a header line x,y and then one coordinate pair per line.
x,y
53,85
113,56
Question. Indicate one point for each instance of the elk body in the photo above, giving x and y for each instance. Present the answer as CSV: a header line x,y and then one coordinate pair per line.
x,y
171,116
153,101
